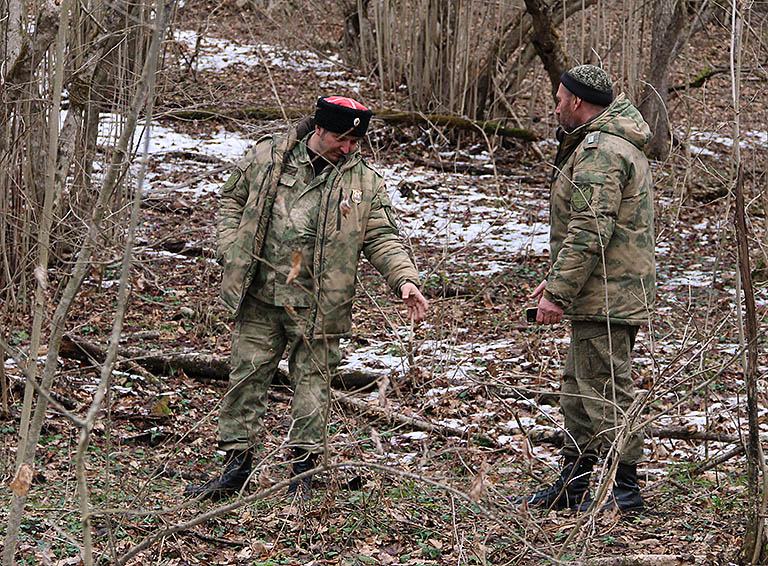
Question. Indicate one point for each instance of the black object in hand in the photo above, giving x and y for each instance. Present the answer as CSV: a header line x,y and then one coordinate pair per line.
x,y
531,313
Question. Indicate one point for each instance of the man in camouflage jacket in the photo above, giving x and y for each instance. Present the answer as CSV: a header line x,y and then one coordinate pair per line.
x,y
602,277
294,217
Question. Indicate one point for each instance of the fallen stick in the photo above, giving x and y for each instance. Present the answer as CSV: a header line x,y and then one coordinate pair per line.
x,y
388,116
556,436
722,459
643,560
195,365
413,422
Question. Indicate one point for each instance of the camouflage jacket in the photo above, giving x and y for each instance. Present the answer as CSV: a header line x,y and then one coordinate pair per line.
x,y
601,219
355,214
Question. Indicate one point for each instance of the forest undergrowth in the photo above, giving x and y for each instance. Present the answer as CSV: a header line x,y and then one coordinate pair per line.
x,y
392,490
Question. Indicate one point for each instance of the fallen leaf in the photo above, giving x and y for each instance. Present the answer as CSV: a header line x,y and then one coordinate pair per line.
x,y
259,550
295,268
487,299
22,481
180,204
162,407
265,480
477,488
345,206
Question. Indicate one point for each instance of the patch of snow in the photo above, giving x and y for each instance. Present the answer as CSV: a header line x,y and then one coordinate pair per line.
x,y
689,278
463,217
416,435
218,54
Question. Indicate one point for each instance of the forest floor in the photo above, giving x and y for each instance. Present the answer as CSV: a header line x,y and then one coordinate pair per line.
x,y
392,492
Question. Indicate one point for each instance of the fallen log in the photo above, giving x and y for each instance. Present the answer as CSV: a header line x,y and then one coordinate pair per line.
x,y
643,560
186,249
556,436
412,422
394,117
491,128
75,348
195,365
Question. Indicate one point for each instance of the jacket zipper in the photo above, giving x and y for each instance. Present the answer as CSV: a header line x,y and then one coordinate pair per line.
x,y
319,272
247,283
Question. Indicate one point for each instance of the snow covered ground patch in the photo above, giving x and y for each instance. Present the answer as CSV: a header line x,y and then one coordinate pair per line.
x,y
214,54
456,213
719,142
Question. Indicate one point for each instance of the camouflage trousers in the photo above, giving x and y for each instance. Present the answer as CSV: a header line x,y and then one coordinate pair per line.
x,y
594,403
262,333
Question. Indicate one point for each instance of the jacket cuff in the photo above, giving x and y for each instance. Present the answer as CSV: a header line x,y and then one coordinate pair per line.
x,y
551,298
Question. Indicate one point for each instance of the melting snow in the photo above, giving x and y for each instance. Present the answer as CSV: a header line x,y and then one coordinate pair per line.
x,y
480,231
217,55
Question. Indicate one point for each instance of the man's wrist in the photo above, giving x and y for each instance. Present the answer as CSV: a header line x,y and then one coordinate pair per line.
x,y
404,283
552,299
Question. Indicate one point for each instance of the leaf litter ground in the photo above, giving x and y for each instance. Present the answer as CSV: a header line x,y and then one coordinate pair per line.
x,y
474,368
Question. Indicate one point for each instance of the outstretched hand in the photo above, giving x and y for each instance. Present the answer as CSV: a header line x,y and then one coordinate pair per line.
x,y
417,304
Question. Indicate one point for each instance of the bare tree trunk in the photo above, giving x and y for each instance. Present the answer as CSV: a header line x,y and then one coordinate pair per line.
x,y
669,20
754,536
122,301
3,384
547,42
509,41
81,268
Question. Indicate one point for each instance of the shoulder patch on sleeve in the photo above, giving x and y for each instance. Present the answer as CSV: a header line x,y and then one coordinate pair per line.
x,y
592,139
581,196
232,181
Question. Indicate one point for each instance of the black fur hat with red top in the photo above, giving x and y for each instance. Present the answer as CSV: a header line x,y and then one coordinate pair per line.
x,y
342,115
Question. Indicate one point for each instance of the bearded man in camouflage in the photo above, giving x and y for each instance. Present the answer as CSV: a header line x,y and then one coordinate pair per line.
x,y
294,217
602,277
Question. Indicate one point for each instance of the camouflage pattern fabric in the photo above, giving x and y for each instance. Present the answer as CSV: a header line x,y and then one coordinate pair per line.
x,y
592,420
271,206
355,215
292,228
262,332
601,220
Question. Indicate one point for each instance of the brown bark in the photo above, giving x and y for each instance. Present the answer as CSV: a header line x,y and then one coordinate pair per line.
x,y
497,58
388,116
195,365
32,51
546,42
754,538
670,30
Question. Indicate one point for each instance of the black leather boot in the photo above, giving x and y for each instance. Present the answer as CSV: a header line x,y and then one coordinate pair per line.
x,y
626,492
236,471
303,462
570,490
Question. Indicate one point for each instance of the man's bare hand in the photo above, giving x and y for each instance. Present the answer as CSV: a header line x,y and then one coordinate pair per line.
x,y
417,304
549,312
